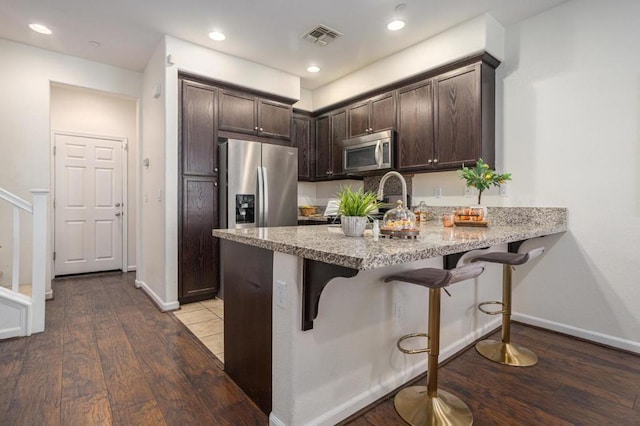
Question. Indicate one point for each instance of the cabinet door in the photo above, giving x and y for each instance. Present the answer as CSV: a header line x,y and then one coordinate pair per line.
x,y
383,111
237,112
199,141
198,266
457,117
359,119
415,126
323,147
301,139
338,134
274,119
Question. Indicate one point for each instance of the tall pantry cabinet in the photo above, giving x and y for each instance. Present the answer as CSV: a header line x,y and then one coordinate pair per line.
x,y
198,260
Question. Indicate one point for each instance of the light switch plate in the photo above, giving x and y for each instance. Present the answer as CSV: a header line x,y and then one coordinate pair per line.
x,y
281,293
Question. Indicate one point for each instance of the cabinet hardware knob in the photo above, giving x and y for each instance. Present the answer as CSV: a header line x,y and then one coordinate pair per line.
x,y
260,128
429,161
255,128
435,160
215,169
215,183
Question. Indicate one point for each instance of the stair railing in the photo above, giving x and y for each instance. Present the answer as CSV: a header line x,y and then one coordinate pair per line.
x,y
39,265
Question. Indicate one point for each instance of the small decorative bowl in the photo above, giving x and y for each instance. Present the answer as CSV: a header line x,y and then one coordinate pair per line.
x,y
308,210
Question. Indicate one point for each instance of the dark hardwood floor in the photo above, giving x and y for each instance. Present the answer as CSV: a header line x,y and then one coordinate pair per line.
x,y
574,383
108,356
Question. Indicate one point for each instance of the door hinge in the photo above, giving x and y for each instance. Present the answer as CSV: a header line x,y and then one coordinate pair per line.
x,y
54,150
126,147
54,255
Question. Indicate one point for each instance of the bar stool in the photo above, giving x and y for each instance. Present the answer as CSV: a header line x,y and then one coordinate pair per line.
x,y
420,405
504,351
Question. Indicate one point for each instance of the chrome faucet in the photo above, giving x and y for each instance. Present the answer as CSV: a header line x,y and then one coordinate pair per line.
x,y
402,181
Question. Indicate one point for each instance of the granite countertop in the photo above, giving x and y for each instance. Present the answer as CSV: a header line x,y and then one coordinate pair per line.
x,y
327,243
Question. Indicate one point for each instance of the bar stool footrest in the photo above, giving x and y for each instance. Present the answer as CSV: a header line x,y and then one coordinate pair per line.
x,y
418,408
506,353
493,302
412,351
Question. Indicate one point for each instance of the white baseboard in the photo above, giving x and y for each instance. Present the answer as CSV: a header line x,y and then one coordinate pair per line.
x,y
162,305
593,336
11,332
48,295
274,421
131,268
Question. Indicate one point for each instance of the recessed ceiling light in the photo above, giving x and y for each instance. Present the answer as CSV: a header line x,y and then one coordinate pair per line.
x,y
217,36
40,29
395,25
313,68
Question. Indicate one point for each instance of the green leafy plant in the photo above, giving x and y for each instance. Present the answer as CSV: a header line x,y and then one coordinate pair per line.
x,y
357,203
482,177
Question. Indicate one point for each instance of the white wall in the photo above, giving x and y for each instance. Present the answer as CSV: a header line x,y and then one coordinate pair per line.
x,y
152,204
25,138
87,111
569,98
482,33
159,193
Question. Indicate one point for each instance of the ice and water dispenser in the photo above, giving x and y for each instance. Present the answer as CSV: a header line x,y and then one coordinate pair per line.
x,y
245,208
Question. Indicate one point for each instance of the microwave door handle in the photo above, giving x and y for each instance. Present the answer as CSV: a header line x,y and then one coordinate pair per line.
x,y
378,156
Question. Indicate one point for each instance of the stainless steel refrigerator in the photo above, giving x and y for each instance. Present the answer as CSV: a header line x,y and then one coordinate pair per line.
x,y
259,184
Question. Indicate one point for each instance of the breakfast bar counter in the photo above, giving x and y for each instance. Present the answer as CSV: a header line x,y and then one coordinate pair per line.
x,y
311,326
327,243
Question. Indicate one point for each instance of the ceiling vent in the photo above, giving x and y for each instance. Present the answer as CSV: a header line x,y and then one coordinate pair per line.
x,y
321,35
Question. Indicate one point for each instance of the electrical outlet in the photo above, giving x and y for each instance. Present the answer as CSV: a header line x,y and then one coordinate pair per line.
x,y
438,192
504,190
398,311
281,293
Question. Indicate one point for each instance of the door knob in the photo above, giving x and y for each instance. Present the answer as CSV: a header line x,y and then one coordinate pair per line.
x,y
117,204
118,214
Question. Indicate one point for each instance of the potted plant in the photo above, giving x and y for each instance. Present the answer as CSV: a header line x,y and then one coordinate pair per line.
x,y
482,177
355,209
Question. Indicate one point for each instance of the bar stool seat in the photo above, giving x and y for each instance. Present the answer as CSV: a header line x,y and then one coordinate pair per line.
x,y
426,405
503,351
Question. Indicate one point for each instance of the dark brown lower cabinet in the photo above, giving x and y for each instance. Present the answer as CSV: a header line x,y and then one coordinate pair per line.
x,y
247,278
198,266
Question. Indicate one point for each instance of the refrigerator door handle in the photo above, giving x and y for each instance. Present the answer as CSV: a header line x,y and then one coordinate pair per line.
x,y
265,197
259,218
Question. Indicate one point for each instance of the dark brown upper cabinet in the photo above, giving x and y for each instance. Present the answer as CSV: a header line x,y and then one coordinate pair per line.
x,y
414,141
245,113
323,147
331,130
199,135
448,120
371,115
302,138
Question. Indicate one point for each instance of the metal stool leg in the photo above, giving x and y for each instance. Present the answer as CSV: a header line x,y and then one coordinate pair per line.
x,y
504,351
420,405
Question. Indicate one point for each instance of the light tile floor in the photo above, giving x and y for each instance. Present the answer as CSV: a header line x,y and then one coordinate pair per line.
x,y
206,321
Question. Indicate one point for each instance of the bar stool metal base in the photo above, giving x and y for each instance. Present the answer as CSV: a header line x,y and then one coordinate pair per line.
x,y
417,408
506,353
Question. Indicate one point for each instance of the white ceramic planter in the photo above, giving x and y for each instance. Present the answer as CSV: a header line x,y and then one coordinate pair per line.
x,y
353,226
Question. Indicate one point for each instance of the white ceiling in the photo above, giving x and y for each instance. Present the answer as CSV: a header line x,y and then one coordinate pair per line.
x,y
264,31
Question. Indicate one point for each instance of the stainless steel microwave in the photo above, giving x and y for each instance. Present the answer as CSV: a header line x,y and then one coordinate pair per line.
x,y
369,152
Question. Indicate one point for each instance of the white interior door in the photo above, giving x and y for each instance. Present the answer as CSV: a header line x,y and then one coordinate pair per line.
x,y
88,204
